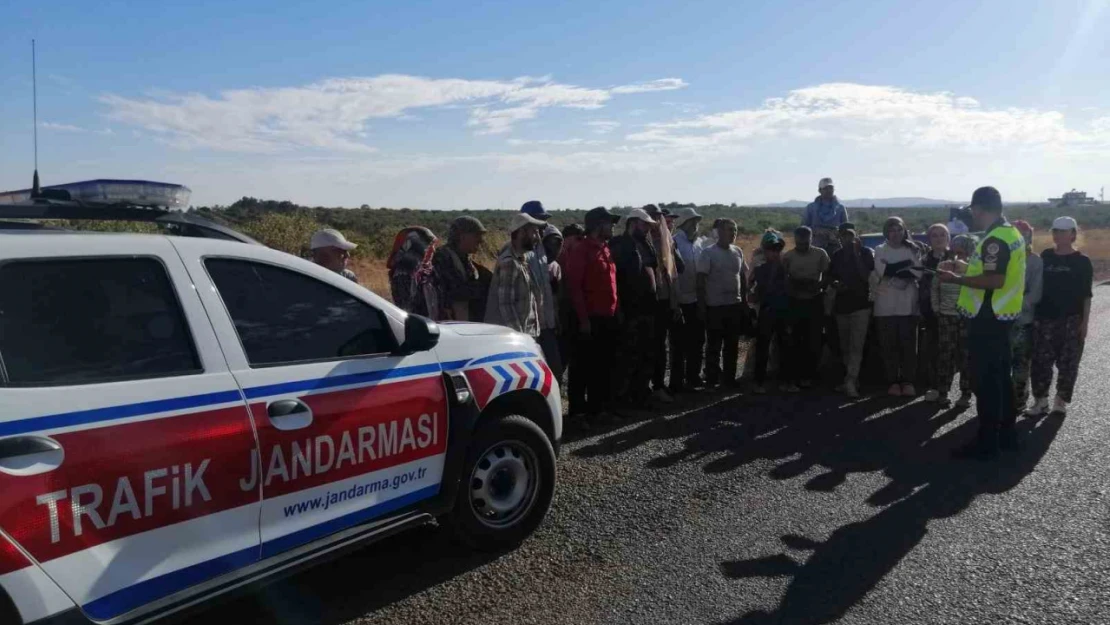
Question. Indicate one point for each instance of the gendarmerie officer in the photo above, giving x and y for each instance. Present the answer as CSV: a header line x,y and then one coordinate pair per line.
x,y
990,297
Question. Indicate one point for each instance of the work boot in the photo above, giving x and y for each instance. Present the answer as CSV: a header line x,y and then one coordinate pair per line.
x,y
1039,408
662,396
850,389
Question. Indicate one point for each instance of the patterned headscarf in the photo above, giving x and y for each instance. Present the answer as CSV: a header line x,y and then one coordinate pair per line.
x,y
964,243
414,239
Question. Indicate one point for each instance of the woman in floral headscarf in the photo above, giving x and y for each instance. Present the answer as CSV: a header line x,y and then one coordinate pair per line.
x,y
410,270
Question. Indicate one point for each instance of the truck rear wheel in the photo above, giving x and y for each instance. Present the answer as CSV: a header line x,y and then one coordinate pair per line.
x,y
507,484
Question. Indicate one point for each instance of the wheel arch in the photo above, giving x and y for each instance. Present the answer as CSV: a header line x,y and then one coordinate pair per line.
x,y
528,403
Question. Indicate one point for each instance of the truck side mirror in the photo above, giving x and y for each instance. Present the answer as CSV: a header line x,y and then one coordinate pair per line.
x,y
421,334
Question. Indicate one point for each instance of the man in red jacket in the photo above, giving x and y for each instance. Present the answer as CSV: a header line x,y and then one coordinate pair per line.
x,y
590,278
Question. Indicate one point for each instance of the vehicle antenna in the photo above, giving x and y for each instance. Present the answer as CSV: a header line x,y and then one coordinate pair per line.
x,y
35,118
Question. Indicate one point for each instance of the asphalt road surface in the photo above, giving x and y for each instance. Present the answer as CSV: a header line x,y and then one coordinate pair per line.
x,y
751,510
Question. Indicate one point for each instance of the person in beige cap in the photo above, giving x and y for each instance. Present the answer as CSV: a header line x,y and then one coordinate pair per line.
x,y
687,352
514,296
332,250
1061,318
636,260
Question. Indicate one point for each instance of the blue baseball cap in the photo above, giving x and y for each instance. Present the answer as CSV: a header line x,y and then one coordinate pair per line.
x,y
535,209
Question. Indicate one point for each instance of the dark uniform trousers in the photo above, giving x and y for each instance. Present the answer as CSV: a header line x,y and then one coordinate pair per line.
x,y
723,327
687,349
635,357
991,377
591,370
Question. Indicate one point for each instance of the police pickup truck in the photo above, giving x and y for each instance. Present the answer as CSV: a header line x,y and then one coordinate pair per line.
x,y
181,416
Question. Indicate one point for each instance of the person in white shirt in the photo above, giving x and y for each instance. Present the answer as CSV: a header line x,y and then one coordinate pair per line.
x,y
722,302
894,290
687,352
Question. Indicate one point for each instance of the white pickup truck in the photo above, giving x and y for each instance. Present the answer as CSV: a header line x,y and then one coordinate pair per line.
x,y
183,416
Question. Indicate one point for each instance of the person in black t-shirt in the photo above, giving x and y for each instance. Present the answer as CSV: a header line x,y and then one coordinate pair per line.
x,y
635,259
1060,320
769,291
849,269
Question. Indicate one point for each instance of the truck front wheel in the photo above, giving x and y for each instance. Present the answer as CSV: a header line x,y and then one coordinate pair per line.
x,y
507,484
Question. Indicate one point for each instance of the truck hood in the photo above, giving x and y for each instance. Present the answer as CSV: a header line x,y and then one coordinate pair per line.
x,y
476,329
474,341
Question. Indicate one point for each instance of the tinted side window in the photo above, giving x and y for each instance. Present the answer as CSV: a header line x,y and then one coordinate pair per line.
x,y
283,316
90,320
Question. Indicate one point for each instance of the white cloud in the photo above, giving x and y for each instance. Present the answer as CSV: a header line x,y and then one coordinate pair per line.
x,y
500,120
874,115
575,141
71,128
663,84
603,126
331,113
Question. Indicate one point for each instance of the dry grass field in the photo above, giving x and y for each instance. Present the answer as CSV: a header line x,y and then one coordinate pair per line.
x,y
1095,243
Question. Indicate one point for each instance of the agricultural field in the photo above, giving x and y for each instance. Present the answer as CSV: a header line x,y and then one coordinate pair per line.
x,y
287,226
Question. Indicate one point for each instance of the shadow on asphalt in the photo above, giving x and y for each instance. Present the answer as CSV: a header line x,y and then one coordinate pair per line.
x,y
355,584
924,486
797,433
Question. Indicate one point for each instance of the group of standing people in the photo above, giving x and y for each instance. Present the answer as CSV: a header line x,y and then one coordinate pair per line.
x,y
622,299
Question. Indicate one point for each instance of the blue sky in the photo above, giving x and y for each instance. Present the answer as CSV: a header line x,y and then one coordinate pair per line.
x,y
444,105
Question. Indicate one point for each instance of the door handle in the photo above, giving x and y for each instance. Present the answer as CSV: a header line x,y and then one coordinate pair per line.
x,y
30,455
289,414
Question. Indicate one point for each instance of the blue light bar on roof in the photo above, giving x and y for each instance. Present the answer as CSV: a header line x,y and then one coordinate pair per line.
x,y
132,192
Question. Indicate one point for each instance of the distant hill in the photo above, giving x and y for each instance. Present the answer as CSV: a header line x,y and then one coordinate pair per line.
x,y
884,202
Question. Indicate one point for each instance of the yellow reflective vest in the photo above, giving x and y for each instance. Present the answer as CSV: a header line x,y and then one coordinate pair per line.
x,y
1006,301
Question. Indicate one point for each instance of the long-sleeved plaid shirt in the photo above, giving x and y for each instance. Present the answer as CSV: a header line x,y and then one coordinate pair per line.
x,y
515,295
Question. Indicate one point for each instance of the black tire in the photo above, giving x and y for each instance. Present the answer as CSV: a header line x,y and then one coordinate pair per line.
x,y
8,613
512,442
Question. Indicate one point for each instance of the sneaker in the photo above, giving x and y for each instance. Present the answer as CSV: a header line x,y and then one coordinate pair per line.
x,y
895,390
806,384
850,389
932,395
759,389
662,396
1039,408
908,390
965,400
1059,407
789,388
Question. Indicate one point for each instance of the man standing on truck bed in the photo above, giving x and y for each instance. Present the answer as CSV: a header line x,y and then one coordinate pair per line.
x,y
824,215
991,298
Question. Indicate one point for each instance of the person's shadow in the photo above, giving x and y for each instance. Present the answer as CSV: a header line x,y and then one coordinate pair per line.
x,y
845,567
